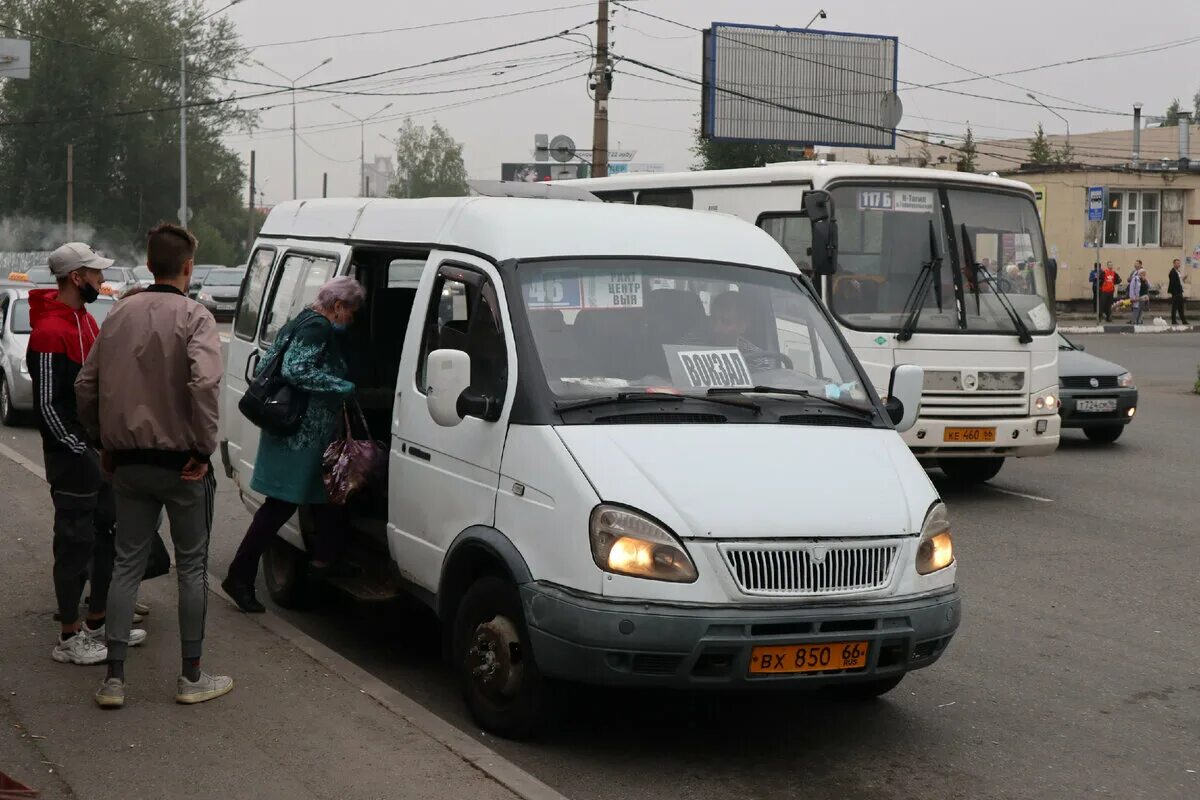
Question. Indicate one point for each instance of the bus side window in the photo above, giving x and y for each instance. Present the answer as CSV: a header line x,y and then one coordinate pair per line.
x,y
672,198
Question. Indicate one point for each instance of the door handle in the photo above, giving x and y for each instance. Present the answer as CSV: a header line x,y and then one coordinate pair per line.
x,y
417,452
252,365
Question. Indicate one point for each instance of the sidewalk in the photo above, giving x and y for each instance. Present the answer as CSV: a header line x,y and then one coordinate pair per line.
x,y
294,726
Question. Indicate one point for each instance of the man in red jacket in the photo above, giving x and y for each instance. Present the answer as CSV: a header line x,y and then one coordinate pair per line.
x,y
84,508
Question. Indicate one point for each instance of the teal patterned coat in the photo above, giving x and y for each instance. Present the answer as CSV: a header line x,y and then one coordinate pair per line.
x,y
289,468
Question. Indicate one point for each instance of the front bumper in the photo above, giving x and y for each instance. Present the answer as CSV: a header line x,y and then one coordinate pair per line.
x,y
589,639
1073,418
1015,437
220,309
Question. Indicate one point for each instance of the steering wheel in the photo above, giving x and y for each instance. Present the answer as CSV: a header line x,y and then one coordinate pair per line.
x,y
781,360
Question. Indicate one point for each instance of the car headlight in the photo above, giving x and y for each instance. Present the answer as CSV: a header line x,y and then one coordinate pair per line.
x,y
1125,379
204,296
1045,402
625,542
936,549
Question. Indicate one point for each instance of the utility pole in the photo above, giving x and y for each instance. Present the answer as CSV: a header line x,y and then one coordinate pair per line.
x,y
602,79
362,143
250,223
183,208
70,192
293,82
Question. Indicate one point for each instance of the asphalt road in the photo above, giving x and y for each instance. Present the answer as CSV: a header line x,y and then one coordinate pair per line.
x,y
1074,673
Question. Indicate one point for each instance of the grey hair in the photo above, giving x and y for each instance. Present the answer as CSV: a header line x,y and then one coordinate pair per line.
x,y
343,288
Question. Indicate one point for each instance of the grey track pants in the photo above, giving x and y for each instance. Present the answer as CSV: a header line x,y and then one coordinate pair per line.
x,y
142,493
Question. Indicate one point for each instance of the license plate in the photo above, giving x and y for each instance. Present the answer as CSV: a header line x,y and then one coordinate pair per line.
x,y
969,435
225,306
1092,406
793,658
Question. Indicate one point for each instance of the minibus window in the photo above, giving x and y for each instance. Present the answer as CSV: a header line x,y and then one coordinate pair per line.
x,y
465,316
254,288
299,279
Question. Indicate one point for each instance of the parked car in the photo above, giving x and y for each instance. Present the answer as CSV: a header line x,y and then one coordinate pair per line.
x,y
199,273
219,292
116,279
37,278
1097,395
144,276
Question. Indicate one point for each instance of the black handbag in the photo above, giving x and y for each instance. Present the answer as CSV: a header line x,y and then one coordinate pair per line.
x,y
270,402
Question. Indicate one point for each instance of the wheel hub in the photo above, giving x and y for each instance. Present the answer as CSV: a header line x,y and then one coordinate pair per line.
x,y
495,657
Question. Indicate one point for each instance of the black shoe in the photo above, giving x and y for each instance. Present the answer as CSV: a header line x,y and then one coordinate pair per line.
x,y
243,596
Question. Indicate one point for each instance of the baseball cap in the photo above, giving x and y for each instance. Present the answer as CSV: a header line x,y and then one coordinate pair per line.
x,y
75,255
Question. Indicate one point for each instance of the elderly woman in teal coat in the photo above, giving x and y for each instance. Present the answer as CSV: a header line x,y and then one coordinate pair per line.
x,y
287,470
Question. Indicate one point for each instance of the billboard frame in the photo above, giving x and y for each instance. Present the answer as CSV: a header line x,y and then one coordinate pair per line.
x,y
708,94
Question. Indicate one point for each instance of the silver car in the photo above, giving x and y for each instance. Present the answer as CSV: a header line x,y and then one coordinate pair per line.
x,y
16,387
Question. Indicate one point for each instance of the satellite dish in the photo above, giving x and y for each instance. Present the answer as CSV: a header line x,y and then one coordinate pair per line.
x,y
562,148
891,110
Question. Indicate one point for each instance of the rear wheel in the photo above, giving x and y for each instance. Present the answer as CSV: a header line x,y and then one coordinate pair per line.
x,y
285,571
971,470
503,688
1104,433
8,414
867,690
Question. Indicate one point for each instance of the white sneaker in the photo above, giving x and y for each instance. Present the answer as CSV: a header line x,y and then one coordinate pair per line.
x,y
80,649
209,687
136,635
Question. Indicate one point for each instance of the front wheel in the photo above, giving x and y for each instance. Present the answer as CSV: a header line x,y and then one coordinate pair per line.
x,y
967,471
8,414
285,571
867,690
1106,434
501,683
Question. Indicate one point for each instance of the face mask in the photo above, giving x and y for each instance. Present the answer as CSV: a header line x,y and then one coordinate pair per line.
x,y
89,293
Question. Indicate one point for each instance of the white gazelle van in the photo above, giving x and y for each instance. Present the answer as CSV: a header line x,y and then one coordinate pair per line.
x,y
628,446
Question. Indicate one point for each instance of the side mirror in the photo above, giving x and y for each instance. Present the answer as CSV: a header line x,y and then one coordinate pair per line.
x,y
448,373
818,206
904,395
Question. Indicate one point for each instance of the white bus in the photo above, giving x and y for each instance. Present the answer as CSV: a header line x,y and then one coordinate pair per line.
x,y
945,270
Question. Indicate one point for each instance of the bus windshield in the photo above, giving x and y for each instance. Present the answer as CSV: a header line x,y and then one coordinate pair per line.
x,y
986,258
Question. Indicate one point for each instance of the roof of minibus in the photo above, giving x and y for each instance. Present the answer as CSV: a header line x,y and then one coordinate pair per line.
x,y
817,172
504,228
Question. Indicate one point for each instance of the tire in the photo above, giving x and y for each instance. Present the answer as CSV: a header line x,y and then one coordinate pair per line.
x,y
285,572
968,471
512,700
8,414
867,690
1105,434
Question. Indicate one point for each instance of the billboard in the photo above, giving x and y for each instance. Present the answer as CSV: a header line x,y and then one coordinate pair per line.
x,y
799,86
537,172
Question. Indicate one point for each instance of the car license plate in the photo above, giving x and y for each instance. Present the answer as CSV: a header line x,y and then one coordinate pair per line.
x,y
969,435
225,306
1093,406
793,658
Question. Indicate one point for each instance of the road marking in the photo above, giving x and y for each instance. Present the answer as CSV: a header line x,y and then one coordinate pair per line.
x,y
1020,494
17,458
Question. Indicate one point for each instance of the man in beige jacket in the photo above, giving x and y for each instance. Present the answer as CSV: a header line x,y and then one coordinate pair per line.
x,y
149,392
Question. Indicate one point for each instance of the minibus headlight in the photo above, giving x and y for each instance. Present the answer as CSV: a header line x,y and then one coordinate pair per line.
x,y
936,549
1125,379
1046,402
628,543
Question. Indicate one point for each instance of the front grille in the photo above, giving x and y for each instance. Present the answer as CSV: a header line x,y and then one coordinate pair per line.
x,y
975,405
656,663
655,418
826,419
1102,382
786,570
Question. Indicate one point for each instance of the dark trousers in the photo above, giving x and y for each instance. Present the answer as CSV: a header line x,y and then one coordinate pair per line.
x,y
1106,304
270,517
84,517
1177,308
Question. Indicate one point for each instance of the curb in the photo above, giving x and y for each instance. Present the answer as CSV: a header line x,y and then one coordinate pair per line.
x,y
475,754
1126,328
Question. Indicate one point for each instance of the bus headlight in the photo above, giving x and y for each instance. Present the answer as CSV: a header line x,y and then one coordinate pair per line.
x,y
1045,402
628,543
936,549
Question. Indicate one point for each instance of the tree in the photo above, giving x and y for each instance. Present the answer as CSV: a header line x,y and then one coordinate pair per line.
x,y
1039,148
924,156
1172,120
1064,155
732,155
105,78
428,163
1196,106
967,159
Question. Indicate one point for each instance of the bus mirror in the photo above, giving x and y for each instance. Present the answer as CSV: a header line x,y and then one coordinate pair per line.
x,y
904,395
448,373
818,207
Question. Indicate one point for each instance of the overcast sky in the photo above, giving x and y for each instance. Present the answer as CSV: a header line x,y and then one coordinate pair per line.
x,y
657,120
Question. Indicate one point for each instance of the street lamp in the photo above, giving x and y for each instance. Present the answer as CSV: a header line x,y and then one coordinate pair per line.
x,y
293,82
183,206
819,15
1067,122
362,145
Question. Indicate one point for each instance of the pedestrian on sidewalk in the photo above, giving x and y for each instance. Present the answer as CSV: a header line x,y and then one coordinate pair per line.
x,y
1175,290
63,334
1143,291
1135,294
288,470
1108,281
149,392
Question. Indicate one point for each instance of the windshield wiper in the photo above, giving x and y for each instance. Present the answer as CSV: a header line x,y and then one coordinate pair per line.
x,y
931,273
861,410
643,397
1023,334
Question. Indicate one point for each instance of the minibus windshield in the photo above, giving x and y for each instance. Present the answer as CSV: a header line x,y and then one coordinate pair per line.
x,y
604,325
